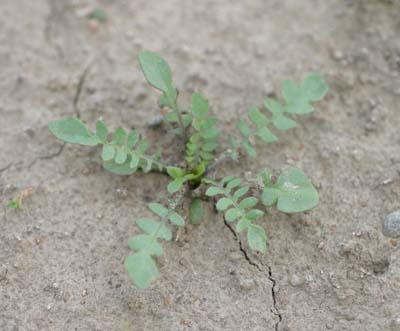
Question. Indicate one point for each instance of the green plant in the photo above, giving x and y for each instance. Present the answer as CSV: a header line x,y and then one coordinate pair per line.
x,y
239,199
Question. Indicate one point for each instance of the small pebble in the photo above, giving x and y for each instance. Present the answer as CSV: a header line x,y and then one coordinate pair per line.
x,y
296,280
391,225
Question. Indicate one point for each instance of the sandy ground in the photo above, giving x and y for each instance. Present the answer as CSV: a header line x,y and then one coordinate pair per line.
x,y
61,256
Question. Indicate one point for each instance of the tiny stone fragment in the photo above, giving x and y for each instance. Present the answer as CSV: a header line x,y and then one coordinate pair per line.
x,y
391,225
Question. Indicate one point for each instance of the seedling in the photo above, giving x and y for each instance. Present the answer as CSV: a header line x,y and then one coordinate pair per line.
x,y
196,129
16,203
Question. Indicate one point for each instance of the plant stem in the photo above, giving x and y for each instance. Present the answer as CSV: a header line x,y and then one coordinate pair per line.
x,y
178,113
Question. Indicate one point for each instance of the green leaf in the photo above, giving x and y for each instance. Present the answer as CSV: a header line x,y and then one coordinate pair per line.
x,y
101,131
154,228
232,214
176,219
74,131
175,185
122,155
266,135
270,196
244,128
176,172
249,149
297,101
257,118
248,203
108,152
223,204
134,160
257,238
213,191
14,204
283,123
241,192
158,209
119,136
199,105
314,87
119,169
243,224
146,244
233,183
143,146
133,138
156,71
98,15
293,192
254,214
141,269
196,211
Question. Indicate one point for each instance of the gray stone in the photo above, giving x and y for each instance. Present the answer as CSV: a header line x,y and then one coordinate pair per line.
x,y
391,225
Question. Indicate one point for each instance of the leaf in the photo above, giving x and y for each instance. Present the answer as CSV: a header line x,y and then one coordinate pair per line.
x,y
243,224
223,204
293,192
199,105
283,123
176,219
154,228
101,131
241,192
196,211
74,131
119,136
141,269
297,101
233,183
254,214
257,118
175,185
270,196
176,172
244,128
134,160
146,243
257,238
158,209
265,134
122,155
248,203
14,204
119,169
232,214
98,15
108,152
156,71
314,87
213,191
249,149
132,139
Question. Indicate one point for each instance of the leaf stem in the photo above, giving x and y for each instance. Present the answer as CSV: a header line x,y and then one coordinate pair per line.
x,y
173,204
178,113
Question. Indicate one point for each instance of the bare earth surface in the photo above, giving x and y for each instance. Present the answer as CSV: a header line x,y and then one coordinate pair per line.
x,y
61,255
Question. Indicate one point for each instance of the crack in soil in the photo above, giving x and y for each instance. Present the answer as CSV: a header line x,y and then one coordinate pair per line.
x,y
274,308
47,157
